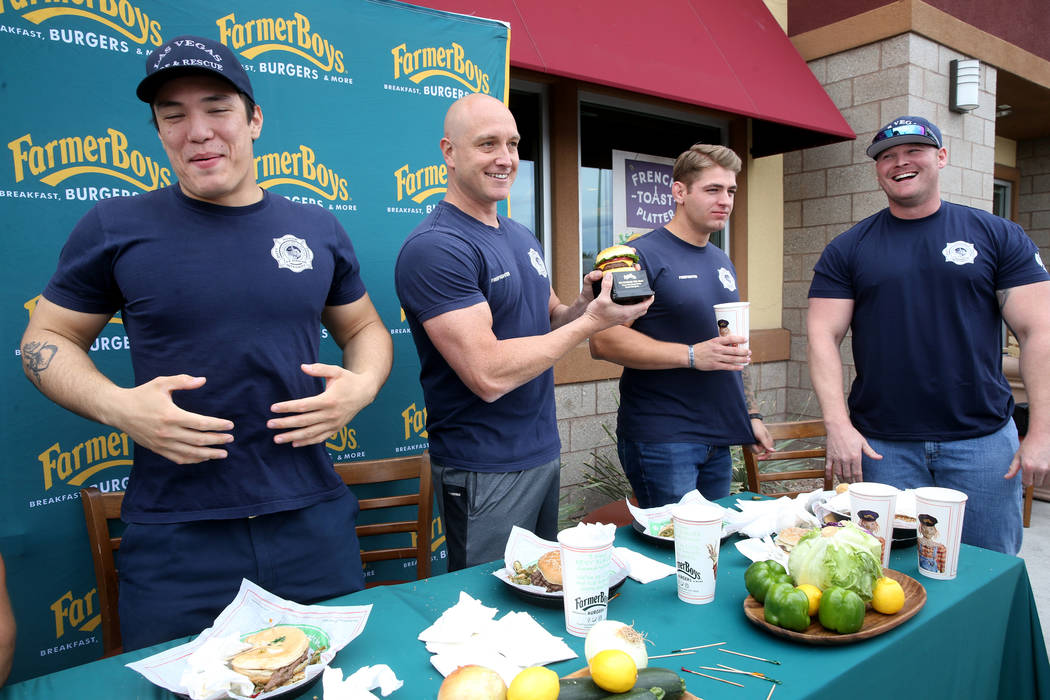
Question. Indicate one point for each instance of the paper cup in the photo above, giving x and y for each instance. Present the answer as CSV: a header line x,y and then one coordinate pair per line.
x,y
585,564
734,318
872,508
940,513
697,535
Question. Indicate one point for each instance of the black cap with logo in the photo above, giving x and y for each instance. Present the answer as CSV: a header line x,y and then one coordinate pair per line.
x,y
190,55
905,130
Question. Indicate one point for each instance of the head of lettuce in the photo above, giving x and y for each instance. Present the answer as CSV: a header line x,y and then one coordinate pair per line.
x,y
843,556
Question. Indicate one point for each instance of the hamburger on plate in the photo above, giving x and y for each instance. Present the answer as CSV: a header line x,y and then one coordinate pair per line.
x,y
278,656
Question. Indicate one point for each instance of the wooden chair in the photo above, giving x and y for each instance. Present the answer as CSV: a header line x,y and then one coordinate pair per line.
x,y
99,509
803,430
386,471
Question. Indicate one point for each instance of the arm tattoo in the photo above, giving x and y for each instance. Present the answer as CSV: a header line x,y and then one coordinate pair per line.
x,y
37,357
1002,295
749,390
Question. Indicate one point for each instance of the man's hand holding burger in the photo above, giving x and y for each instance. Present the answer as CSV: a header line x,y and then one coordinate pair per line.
x,y
603,309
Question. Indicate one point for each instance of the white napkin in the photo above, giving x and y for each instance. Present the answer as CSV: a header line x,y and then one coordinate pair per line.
x,y
507,645
360,684
762,549
459,622
760,518
207,676
641,568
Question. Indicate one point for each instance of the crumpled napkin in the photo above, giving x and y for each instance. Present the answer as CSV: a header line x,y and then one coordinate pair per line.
x,y
760,518
642,568
360,684
761,549
466,634
207,675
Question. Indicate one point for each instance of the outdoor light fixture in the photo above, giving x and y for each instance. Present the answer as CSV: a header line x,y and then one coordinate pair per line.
x,y
964,85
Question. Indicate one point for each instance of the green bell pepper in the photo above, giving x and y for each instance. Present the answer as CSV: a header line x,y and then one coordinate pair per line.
x,y
787,607
761,576
841,610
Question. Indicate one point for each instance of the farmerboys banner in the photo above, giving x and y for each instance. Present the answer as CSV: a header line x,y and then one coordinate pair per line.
x,y
353,95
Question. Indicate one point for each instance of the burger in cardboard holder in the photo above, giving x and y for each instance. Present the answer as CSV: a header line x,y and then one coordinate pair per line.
x,y
629,285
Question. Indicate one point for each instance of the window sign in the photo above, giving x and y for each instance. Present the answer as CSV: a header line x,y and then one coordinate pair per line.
x,y
642,197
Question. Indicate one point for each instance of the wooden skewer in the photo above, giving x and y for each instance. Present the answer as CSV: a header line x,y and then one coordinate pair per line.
x,y
675,653
771,689
714,678
756,674
702,646
756,658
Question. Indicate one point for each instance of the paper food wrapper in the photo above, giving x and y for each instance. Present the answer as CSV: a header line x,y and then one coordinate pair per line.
x,y
525,547
655,520
253,609
761,518
905,516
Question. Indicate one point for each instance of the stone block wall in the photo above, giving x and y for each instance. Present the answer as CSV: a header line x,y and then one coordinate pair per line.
x,y
828,189
1033,197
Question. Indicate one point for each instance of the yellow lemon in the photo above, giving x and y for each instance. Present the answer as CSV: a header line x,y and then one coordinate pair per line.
x,y
887,597
534,683
813,593
613,670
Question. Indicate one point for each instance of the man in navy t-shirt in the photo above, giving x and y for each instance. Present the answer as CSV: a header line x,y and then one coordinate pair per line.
x,y
925,285
478,299
682,397
222,289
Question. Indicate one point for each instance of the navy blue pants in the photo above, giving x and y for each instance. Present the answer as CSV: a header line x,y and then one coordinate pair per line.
x,y
176,578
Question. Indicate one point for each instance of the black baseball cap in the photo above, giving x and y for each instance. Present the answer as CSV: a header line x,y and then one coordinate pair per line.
x,y
189,55
904,130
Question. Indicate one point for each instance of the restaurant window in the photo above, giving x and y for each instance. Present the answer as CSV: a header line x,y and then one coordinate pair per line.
x,y
605,128
528,205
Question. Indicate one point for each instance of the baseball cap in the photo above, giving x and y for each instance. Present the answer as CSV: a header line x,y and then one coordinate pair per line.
x,y
904,130
188,55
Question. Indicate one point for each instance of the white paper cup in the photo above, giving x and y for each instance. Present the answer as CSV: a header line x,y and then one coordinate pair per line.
x,y
872,508
737,315
697,536
940,513
585,564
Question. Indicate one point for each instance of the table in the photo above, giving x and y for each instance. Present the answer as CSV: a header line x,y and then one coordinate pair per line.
x,y
978,636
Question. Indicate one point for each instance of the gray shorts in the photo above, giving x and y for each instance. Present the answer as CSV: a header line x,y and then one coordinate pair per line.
x,y
478,509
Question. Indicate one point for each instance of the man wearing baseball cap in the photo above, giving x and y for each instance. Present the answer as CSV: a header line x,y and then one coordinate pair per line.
x,y
925,286
222,287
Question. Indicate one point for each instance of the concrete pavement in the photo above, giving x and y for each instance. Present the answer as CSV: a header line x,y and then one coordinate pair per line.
x,y
1035,550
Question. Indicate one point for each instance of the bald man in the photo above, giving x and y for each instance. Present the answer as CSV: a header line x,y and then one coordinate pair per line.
x,y
488,328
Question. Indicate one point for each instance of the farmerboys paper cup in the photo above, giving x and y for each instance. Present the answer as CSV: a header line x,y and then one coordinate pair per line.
x,y
697,535
940,513
586,554
734,318
872,508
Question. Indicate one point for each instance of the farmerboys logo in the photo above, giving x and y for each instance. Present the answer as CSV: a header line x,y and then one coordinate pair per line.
x,y
301,169
288,35
427,64
56,160
121,16
418,185
75,465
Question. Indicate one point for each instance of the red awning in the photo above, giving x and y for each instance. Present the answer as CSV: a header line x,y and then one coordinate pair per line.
x,y
729,56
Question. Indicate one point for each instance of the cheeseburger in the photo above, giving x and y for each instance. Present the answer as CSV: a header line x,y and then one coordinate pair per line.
x,y
616,257
278,656
548,571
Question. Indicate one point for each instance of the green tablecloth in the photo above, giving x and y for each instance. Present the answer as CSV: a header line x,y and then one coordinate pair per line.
x,y
977,637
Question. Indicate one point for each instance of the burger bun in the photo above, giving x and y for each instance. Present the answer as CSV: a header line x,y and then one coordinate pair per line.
x,y
550,566
473,683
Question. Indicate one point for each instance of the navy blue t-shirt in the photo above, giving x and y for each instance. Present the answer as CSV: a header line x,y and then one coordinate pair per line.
x,y
926,319
234,294
683,405
453,261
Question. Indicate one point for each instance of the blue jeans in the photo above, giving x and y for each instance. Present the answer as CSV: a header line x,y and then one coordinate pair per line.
x,y
663,472
994,506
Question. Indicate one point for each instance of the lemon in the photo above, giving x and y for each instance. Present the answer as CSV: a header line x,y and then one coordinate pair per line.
x,y
534,683
887,597
613,670
813,593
